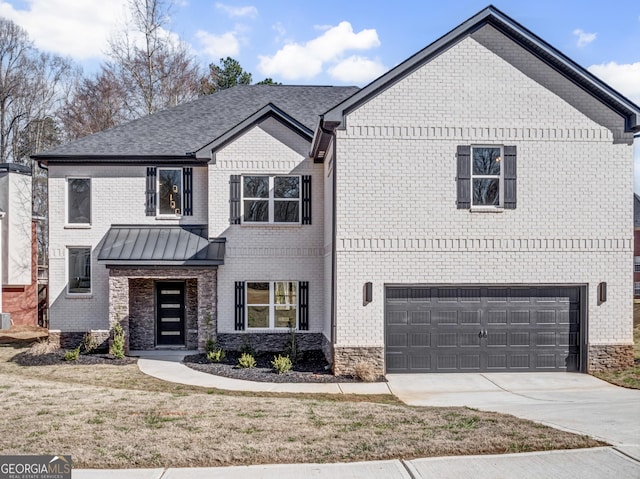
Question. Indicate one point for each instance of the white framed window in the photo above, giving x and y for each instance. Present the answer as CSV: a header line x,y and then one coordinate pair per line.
x,y
79,270
78,202
271,304
636,289
271,199
486,177
169,192
636,264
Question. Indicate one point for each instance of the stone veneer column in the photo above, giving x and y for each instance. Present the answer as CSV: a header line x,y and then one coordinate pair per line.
x,y
207,306
119,303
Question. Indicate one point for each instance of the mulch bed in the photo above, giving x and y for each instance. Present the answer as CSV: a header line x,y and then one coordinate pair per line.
x,y
311,367
56,358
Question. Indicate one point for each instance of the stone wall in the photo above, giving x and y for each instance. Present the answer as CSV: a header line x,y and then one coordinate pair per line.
x,y
269,341
346,359
603,357
72,339
132,303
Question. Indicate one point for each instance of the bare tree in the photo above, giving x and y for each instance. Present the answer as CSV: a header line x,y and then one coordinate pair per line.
x,y
93,105
155,68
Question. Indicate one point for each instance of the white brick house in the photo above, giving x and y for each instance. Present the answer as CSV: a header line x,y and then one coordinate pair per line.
x,y
446,217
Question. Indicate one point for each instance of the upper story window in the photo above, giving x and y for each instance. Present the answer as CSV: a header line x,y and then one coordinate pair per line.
x,y
636,264
271,199
79,270
78,201
486,177
169,191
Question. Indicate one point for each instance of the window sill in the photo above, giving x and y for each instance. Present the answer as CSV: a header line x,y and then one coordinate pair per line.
x,y
275,225
269,330
486,210
79,226
78,296
165,218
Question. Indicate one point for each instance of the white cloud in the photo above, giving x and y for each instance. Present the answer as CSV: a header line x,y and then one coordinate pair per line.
x,y
584,38
297,61
357,69
623,77
218,46
280,30
248,11
77,28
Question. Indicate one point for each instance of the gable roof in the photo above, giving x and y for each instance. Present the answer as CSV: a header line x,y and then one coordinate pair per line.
x,y
516,32
177,133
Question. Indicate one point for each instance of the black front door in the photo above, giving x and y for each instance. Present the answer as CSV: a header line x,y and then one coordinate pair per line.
x,y
170,314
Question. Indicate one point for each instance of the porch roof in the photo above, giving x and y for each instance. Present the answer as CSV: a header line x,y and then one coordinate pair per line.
x,y
152,246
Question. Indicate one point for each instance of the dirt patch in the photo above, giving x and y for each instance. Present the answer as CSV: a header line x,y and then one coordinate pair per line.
x,y
23,334
311,367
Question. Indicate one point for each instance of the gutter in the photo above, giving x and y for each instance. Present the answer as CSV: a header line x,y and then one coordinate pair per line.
x,y
334,287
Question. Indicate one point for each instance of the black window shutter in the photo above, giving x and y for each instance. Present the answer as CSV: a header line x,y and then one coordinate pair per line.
x,y
187,182
303,305
239,324
306,200
234,200
150,194
509,177
463,178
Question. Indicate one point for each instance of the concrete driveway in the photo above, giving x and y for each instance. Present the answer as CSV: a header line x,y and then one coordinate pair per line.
x,y
575,402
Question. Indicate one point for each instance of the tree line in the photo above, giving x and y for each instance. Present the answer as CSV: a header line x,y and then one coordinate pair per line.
x,y
46,100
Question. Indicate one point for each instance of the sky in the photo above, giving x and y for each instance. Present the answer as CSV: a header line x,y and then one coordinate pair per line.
x,y
340,42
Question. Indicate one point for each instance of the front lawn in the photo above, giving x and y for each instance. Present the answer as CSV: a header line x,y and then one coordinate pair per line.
x,y
113,416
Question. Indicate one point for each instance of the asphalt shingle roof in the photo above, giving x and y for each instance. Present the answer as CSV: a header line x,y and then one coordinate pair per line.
x,y
188,127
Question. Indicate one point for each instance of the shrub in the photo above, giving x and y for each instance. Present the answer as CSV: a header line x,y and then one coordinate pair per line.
x,y
292,345
72,355
42,347
117,346
281,364
247,361
89,343
216,355
364,371
247,347
209,345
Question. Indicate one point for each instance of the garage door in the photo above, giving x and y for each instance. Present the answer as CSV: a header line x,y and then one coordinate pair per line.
x,y
475,329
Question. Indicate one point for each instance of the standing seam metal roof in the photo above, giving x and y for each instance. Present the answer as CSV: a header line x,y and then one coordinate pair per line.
x,y
179,245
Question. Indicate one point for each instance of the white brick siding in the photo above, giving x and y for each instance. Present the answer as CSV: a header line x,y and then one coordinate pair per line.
x,y
396,193
117,197
267,253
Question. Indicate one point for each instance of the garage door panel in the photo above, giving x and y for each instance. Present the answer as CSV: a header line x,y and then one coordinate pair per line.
x,y
452,329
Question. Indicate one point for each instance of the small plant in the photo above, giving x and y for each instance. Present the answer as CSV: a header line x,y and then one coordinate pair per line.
x,y
246,347
89,343
216,355
281,364
247,361
42,347
209,345
72,355
117,346
364,372
292,345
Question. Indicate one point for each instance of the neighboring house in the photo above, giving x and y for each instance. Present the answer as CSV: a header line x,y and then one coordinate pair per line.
x,y
440,219
636,247
18,247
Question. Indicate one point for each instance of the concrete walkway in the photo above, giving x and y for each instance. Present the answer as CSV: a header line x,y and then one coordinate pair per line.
x,y
166,365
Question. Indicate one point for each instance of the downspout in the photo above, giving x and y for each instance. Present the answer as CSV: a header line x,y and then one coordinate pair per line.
x,y
334,287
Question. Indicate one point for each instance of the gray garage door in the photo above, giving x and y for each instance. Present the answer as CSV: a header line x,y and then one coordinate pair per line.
x,y
474,329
